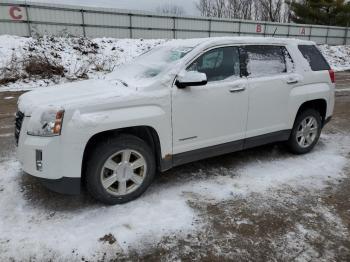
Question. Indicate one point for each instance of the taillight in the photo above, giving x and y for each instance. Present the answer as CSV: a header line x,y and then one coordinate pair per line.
x,y
332,75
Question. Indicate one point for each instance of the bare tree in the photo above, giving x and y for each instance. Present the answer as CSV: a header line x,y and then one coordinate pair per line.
x,y
234,9
205,8
269,10
220,8
169,9
265,10
212,8
226,8
287,17
246,9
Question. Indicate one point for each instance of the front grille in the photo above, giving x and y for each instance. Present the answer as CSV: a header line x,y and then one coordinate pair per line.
x,y
18,125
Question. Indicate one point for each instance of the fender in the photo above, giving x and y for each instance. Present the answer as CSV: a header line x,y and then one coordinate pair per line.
x,y
81,127
302,94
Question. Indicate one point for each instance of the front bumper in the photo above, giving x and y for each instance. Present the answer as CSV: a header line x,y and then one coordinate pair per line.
x,y
60,169
64,185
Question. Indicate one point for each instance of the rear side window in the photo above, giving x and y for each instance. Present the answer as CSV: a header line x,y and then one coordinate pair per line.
x,y
264,60
314,57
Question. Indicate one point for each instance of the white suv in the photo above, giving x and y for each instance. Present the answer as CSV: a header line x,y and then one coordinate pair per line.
x,y
180,102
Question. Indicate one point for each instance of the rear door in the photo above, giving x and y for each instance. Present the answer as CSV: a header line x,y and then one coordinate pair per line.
x,y
271,77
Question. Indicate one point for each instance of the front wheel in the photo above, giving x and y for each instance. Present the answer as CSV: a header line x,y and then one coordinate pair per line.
x,y
120,169
306,132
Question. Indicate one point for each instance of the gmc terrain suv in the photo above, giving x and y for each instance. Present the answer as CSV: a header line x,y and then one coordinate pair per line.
x,y
180,102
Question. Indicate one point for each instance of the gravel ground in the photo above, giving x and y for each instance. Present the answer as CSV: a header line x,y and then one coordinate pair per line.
x,y
284,223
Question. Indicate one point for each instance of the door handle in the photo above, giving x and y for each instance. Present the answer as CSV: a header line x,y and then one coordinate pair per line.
x,y
292,81
237,89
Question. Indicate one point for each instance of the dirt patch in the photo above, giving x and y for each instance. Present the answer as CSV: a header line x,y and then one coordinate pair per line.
x,y
110,239
43,67
7,80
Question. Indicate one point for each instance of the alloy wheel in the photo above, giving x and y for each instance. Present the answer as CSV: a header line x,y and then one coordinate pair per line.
x,y
123,172
307,132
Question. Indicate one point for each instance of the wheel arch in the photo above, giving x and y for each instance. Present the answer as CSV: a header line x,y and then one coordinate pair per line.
x,y
146,133
319,105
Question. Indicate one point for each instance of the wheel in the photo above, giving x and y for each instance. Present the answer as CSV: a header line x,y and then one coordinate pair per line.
x,y
306,132
120,169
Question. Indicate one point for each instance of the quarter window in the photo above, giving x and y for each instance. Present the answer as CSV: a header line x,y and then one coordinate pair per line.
x,y
218,64
268,60
314,57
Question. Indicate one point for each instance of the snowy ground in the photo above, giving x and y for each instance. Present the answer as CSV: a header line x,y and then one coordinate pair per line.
x,y
91,58
262,202
337,56
32,228
81,58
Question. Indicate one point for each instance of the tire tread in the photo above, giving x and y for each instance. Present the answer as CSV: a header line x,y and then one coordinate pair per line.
x,y
292,144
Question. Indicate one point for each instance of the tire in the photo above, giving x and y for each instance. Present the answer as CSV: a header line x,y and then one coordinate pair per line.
x,y
115,160
300,134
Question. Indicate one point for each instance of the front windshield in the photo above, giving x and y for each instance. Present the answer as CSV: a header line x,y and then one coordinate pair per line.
x,y
151,63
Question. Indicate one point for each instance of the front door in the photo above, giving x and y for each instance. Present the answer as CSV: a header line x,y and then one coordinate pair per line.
x,y
214,114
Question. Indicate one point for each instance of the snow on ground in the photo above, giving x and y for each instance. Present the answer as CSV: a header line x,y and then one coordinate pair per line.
x,y
337,56
84,58
29,229
81,58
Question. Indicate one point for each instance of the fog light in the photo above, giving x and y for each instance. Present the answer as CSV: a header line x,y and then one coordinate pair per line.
x,y
39,160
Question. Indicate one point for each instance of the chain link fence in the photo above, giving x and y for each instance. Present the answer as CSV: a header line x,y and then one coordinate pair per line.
x,y
23,19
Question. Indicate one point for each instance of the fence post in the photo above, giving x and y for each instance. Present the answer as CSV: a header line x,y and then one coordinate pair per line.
x,y
288,31
130,25
346,31
327,35
174,27
239,27
310,34
28,20
83,22
209,29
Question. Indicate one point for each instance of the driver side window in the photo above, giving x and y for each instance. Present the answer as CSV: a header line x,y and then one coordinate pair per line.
x,y
218,64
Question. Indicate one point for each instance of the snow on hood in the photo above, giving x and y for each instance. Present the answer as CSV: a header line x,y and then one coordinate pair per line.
x,y
72,95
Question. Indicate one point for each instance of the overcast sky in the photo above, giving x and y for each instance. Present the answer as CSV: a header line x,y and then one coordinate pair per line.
x,y
147,5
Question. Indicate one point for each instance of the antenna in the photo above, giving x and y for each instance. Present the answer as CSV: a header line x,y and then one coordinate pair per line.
x,y
274,32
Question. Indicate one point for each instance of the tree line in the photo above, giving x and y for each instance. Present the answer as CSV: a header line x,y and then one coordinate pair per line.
x,y
320,12
261,10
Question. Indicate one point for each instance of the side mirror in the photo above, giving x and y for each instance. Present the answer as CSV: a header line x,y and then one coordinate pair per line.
x,y
191,78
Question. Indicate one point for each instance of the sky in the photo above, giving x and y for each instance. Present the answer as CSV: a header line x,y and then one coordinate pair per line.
x,y
146,5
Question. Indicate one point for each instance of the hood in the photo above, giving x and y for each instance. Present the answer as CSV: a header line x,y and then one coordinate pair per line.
x,y
73,95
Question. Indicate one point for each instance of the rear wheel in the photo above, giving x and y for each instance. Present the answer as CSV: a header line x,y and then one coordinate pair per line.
x,y
306,132
120,170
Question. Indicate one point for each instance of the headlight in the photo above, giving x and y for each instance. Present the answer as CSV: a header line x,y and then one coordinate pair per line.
x,y
49,124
